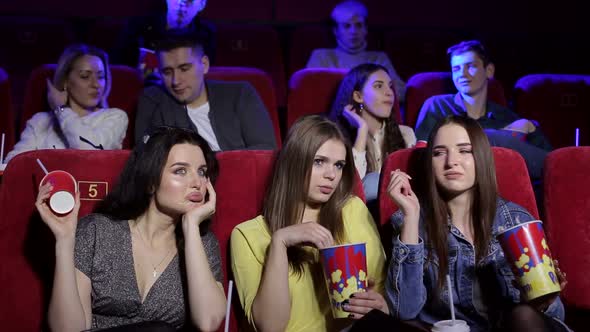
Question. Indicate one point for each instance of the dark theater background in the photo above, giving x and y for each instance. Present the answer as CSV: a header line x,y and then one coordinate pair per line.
x,y
524,37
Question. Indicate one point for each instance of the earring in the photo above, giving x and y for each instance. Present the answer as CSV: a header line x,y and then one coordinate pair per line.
x,y
361,108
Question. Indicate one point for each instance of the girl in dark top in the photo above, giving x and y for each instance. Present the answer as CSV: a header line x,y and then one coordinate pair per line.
x,y
144,256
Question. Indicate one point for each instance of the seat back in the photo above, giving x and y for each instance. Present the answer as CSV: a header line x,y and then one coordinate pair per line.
x,y
126,86
567,219
7,122
425,85
311,91
27,246
512,176
560,103
252,46
261,81
241,186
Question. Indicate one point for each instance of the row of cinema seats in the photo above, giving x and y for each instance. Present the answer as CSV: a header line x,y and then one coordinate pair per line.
x,y
26,244
282,50
560,103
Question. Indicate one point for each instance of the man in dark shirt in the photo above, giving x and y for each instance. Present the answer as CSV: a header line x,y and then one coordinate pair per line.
x,y
471,68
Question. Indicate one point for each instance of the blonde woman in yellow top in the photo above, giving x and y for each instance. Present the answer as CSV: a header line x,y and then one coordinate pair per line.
x,y
309,205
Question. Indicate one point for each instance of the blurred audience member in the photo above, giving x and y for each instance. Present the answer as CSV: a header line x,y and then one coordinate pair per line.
x,y
229,115
349,24
80,118
471,68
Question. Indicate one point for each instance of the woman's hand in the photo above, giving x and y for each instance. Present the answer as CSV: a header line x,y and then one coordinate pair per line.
x,y
355,120
360,303
304,233
544,302
62,227
55,97
202,212
401,193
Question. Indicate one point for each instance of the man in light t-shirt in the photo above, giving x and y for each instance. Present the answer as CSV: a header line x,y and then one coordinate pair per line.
x,y
229,115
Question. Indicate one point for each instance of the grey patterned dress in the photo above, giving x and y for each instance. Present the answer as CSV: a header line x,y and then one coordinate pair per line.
x,y
103,253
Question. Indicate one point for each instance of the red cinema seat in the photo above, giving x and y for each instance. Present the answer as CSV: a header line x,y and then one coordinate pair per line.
x,y
560,103
27,246
6,113
125,89
252,46
260,80
567,222
512,176
425,85
240,187
312,91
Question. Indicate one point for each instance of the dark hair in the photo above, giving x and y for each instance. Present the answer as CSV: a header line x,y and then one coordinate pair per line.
x,y
142,173
289,186
355,80
70,55
470,46
484,198
196,38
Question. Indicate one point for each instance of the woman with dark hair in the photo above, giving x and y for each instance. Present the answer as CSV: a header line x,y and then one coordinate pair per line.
x,y
80,118
145,254
452,231
309,205
364,108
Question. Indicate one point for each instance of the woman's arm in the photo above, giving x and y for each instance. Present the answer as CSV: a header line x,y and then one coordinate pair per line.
x,y
69,307
206,297
102,129
273,292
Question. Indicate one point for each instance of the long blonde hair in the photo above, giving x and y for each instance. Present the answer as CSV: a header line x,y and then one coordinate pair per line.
x,y
285,199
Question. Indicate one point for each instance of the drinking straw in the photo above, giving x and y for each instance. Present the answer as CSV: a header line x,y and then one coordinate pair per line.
x,y
577,137
229,292
42,166
2,150
451,299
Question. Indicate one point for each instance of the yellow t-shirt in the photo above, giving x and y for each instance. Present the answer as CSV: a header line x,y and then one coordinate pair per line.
x,y
310,307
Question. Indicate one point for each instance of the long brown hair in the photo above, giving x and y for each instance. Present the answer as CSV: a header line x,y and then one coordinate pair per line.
x,y
286,197
483,200
355,80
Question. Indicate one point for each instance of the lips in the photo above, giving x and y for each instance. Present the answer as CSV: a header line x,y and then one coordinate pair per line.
x,y
195,197
326,190
453,175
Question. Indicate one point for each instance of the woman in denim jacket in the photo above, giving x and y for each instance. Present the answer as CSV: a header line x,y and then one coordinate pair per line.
x,y
453,231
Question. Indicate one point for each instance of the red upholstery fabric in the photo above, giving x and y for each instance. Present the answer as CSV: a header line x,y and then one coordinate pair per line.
x,y
240,187
26,244
567,210
252,46
125,89
559,102
260,80
425,85
6,113
512,177
312,91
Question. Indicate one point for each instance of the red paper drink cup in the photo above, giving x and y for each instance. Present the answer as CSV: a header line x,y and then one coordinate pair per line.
x,y
345,272
527,252
62,196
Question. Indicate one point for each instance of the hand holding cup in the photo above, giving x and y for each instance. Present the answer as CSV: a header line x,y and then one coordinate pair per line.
x,y
62,226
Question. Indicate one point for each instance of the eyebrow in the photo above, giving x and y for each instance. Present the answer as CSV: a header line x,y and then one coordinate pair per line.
x,y
326,158
444,146
186,164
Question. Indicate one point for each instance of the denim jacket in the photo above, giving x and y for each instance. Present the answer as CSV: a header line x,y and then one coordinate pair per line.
x,y
412,280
